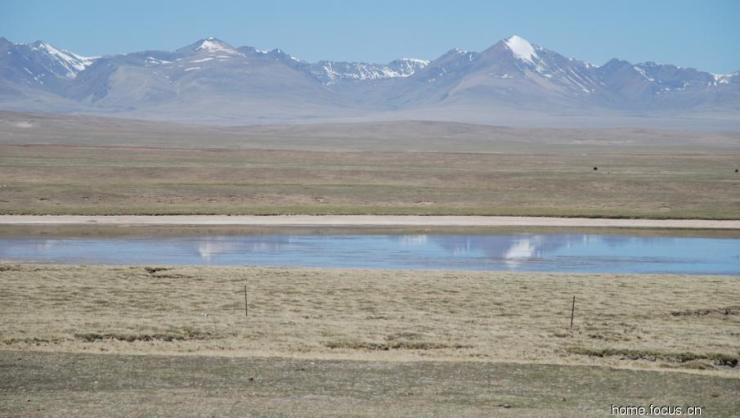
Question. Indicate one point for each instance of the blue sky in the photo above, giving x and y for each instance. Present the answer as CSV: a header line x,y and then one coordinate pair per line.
x,y
703,34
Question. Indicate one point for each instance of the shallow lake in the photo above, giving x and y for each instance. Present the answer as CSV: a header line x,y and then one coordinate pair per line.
x,y
555,252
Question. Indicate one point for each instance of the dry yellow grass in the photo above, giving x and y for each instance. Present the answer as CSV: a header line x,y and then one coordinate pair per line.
x,y
645,321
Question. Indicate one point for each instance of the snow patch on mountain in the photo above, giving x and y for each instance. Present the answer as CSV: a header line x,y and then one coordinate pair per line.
x,y
642,72
330,71
156,61
724,78
522,49
417,61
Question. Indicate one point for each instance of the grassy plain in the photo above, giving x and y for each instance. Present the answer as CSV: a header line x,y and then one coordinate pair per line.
x,y
102,180
67,165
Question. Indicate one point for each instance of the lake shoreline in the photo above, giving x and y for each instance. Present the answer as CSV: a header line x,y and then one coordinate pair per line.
x,y
364,221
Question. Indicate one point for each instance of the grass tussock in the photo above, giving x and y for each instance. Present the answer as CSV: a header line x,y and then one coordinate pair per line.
x,y
10,267
155,270
718,359
724,311
392,345
32,341
185,334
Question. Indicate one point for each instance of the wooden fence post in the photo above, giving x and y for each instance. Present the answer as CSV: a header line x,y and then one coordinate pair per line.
x,y
246,305
572,311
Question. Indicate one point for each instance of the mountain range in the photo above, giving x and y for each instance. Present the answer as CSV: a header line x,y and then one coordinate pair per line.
x,y
213,81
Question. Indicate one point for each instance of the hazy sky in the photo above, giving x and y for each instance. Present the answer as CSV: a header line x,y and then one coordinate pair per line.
x,y
703,34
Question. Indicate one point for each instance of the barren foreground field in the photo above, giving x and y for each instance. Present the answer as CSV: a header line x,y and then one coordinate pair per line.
x,y
320,342
93,385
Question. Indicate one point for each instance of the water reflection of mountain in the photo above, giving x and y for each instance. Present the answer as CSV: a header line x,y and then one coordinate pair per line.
x,y
212,246
620,240
510,248
14,248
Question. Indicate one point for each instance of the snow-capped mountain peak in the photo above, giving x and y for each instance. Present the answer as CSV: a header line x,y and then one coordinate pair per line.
x,y
212,45
521,48
70,61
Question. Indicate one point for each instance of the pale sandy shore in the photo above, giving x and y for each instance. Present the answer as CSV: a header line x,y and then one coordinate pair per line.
x,y
368,221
